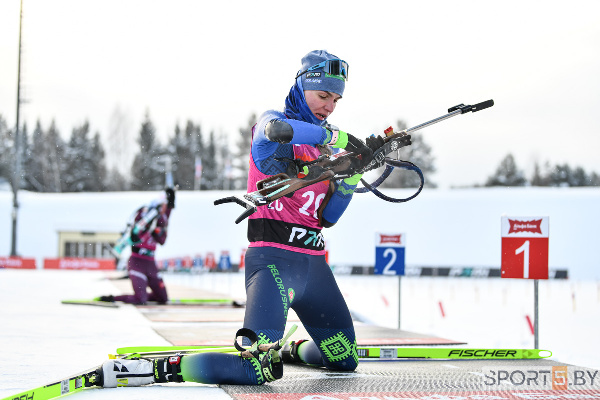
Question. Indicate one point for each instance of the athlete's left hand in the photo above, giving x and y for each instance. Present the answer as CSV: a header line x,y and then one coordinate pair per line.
x,y
357,146
375,142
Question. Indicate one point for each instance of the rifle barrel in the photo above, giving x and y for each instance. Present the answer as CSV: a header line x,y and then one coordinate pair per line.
x,y
433,121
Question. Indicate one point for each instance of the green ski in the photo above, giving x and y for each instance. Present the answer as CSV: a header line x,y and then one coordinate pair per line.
x,y
230,302
72,384
172,302
384,352
442,353
91,303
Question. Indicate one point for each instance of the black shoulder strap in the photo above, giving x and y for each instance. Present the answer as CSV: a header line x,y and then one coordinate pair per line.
x,y
390,164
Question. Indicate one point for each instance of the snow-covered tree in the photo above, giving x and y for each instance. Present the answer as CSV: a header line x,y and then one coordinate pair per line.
x,y
418,153
6,144
507,174
184,147
98,165
35,160
241,155
563,175
55,151
148,168
84,162
210,175
44,160
225,179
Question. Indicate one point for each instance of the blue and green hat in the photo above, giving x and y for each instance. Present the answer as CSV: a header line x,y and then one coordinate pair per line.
x,y
323,71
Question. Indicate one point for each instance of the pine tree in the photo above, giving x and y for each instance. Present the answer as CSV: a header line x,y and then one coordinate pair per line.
x,y
55,151
224,165
210,175
419,153
594,179
194,134
242,154
578,177
98,163
563,175
115,181
537,179
24,137
35,161
84,162
6,144
8,155
560,175
44,160
507,174
185,147
147,172
175,148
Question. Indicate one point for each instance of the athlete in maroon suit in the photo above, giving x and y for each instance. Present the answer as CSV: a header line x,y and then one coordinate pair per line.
x,y
142,268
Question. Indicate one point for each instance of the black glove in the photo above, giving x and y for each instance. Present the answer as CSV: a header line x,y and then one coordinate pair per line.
x,y
375,142
135,238
170,197
357,146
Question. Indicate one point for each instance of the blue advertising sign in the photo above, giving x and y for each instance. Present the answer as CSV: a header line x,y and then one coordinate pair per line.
x,y
389,254
224,261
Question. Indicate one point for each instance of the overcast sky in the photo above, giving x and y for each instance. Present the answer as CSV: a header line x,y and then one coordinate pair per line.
x,y
217,62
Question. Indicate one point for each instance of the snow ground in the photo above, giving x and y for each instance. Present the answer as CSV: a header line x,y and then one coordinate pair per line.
x,y
43,340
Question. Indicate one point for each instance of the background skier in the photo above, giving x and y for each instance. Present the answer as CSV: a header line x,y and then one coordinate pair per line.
x,y
141,265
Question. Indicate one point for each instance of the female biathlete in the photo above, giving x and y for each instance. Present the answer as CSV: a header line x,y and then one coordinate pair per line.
x,y
285,262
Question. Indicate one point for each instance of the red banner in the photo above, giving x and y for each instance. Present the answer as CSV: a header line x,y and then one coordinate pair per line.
x,y
79,263
17,262
390,239
533,226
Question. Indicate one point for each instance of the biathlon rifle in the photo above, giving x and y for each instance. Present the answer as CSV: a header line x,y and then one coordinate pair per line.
x,y
340,166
